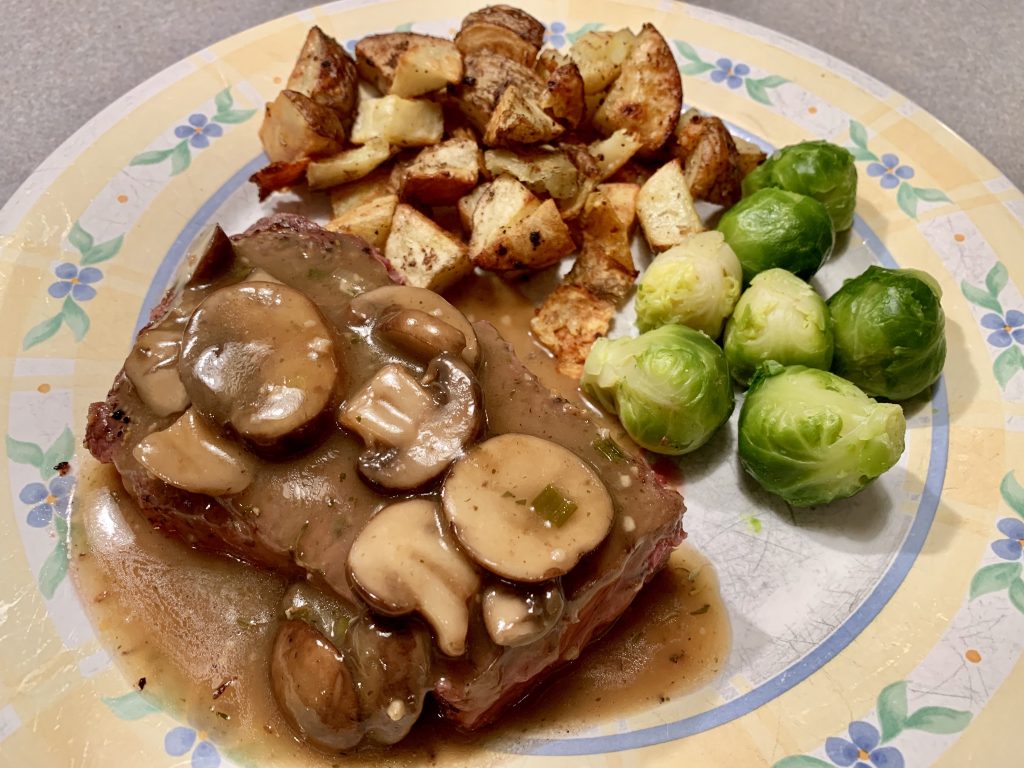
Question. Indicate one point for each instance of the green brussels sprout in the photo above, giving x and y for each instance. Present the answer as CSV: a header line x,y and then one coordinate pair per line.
x,y
695,283
818,169
775,228
889,332
812,437
670,387
779,317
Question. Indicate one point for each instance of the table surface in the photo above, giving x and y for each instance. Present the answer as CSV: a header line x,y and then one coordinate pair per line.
x,y
962,62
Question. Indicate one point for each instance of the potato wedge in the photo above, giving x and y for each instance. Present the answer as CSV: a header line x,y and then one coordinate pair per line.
x,y
486,77
503,202
614,152
563,87
623,197
441,174
278,176
599,56
532,242
646,96
347,165
543,170
377,183
605,264
423,253
665,208
296,127
710,158
327,74
370,221
568,323
467,205
501,30
518,120
427,67
401,122
748,155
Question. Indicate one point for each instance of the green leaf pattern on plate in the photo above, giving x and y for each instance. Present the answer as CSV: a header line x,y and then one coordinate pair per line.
x,y
725,72
1006,327
1005,576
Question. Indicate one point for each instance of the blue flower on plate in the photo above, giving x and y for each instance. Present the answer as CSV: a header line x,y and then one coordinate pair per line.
x,y
199,131
1011,547
731,74
555,34
1005,329
75,281
47,499
179,741
862,750
890,170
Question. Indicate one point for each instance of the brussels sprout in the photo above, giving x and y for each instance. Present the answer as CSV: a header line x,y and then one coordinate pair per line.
x,y
779,317
776,228
818,169
811,437
670,387
695,283
889,332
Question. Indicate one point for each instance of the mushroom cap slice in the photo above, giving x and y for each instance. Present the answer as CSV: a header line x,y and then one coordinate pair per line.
x,y
191,455
414,429
404,560
260,357
369,305
314,688
152,367
525,508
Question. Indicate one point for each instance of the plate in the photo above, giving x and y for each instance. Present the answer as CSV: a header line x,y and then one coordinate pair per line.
x,y
887,629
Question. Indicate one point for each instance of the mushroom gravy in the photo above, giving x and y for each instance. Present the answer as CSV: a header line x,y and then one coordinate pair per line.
x,y
363,523
195,631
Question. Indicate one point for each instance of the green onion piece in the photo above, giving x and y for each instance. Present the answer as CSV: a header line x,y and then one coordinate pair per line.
x,y
553,505
608,448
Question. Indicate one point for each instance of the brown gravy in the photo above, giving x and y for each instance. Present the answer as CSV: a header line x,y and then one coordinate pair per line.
x,y
198,628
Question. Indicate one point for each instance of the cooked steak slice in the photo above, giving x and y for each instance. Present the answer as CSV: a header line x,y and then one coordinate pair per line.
x,y
648,525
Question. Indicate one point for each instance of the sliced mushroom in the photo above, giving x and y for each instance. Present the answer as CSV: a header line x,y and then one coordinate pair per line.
x,y
414,429
404,561
525,508
191,455
260,357
520,616
260,275
314,688
373,303
152,367
213,257
325,613
419,334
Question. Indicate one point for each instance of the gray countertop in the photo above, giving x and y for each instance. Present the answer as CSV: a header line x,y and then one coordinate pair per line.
x,y
64,61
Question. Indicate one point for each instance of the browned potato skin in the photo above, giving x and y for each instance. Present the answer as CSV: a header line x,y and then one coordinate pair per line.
x,y
486,77
517,120
647,96
295,127
327,74
377,56
605,264
441,174
503,30
278,176
533,242
563,97
568,323
749,155
710,158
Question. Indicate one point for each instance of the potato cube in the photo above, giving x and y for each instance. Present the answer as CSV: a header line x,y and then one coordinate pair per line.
x,y
544,171
599,56
377,183
665,208
370,221
401,122
426,67
441,174
423,253
614,152
348,165
519,120
327,74
568,323
296,127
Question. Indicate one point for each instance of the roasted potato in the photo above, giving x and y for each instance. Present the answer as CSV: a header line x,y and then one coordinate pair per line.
x,y
278,176
665,208
502,30
400,122
347,165
370,221
467,205
441,174
748,155
710,158
568,322
605,264
327,74
563,87
486,77
647,95
543,170
295,127
420,63
518,120
599,55
622,196
612,153
356,193
502,202
423,253
532,242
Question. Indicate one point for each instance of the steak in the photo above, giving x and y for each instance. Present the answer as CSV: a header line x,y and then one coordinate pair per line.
x,y
302,509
